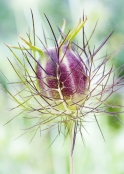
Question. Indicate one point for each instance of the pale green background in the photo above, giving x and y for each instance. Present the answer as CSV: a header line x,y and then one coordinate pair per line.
x,y
22,157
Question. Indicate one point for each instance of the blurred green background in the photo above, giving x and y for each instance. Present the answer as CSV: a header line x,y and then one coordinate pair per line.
x,y
19,156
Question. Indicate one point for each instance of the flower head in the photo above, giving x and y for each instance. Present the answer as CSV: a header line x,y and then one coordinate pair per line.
x,y
64,85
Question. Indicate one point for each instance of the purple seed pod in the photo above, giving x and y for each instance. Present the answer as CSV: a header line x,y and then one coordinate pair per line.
x,y
62,76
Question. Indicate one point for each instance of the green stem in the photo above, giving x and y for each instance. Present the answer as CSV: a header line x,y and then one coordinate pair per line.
x,y
71,154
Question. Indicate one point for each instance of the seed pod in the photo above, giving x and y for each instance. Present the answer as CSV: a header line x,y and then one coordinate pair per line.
x,y
61,77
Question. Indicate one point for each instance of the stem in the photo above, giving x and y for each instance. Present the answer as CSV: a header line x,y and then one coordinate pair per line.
x,y
71,155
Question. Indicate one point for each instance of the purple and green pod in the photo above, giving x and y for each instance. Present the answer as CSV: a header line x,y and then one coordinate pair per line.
x,y
61,75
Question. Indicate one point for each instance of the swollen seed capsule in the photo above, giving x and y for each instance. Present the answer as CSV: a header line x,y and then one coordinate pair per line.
x,y
61,76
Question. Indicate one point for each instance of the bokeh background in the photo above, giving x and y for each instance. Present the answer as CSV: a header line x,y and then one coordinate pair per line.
x,y
17,154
